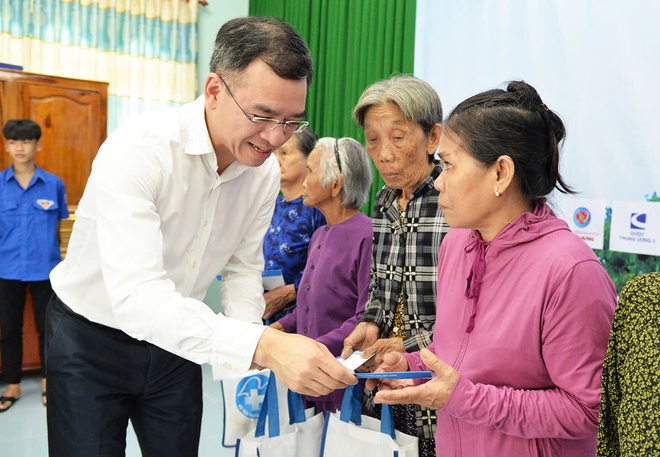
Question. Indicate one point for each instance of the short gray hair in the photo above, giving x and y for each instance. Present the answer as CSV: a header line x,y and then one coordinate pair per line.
x,y
356,171
416,99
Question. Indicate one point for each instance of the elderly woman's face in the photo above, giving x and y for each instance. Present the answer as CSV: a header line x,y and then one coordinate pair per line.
x,y
292,162
313,193
398,147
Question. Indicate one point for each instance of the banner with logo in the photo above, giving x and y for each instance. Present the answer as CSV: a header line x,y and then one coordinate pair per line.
x,y
635,227
586,218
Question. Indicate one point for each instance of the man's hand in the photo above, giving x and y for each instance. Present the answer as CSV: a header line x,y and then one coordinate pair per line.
x,y
278,298
433,394
301,364
363,335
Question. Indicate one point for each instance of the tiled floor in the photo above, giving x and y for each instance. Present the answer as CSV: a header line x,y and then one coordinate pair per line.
x,y
23,428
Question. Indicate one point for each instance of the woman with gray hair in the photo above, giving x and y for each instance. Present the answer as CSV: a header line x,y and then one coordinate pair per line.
x,y
287,239
401,119
335,284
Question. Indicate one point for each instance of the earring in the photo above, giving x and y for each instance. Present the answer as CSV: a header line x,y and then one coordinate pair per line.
x,y
497,193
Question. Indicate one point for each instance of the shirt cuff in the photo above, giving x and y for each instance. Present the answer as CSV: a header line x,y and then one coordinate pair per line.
x,y
234,344
461,389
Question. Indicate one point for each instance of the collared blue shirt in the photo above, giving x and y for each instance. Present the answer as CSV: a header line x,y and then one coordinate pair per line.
x,y
29,220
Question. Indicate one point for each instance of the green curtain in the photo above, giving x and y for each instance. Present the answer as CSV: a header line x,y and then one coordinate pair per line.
x,y
353,43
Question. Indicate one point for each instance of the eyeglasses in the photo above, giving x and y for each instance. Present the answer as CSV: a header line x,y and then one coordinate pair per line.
x,y
337,154
267,123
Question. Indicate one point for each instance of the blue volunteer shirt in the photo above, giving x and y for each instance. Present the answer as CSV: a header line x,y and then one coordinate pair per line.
x,y
29,218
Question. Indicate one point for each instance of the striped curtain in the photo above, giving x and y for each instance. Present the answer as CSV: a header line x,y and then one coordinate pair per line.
x,y
145,49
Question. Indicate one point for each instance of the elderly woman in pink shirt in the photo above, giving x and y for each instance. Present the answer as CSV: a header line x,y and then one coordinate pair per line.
x,y
524,307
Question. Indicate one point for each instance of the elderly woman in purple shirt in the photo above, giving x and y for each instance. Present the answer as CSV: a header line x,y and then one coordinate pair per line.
x,y
334,286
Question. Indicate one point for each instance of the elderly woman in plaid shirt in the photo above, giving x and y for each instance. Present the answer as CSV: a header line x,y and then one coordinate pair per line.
x,y
401,119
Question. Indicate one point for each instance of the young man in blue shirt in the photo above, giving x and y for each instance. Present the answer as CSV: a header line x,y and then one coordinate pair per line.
x,y
32,203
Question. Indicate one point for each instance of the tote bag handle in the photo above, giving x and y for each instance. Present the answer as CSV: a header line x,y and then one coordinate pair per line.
x,y
270,410
296,407
351,411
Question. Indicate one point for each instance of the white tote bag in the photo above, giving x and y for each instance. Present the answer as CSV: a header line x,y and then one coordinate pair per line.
x,y
299,435
242,397
348,432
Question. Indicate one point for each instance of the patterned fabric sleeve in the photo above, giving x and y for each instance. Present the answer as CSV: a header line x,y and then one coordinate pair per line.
x,y
629,422
419,341
374,311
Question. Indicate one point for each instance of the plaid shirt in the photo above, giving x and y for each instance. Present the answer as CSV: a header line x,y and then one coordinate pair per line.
x,y
409,255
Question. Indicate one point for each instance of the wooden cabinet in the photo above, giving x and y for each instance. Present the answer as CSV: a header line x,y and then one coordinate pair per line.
x,y
72,114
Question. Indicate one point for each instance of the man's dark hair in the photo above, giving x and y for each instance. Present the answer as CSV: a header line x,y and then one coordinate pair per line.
x,y
242,40
21,129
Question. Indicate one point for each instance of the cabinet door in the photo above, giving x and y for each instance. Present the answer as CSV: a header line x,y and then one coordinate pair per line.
x,y
73,129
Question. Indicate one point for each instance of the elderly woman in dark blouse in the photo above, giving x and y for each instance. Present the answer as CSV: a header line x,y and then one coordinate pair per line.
x,y
401,119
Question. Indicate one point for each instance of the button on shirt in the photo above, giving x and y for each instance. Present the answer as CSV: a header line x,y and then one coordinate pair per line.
x,y
336,282
156,224
29,223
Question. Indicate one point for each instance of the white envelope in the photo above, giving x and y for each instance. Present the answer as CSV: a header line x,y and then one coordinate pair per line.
x,y
272,279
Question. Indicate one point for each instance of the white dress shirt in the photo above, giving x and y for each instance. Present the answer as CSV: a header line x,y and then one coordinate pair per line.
x,y
154,227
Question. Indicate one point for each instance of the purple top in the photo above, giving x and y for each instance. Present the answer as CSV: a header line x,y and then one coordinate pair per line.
x,y
287,241
334,287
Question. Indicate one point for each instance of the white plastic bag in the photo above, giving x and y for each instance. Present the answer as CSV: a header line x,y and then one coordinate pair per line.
x,y
242,397
348,432
298,435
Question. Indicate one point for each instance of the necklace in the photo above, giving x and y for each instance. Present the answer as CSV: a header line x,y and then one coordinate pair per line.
x,y
399,328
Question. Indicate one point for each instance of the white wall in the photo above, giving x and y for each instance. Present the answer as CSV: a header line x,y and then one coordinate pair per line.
x,y
595,62
210,20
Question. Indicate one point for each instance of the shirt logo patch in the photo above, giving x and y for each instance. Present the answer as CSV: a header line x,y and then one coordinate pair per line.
x,y
45,204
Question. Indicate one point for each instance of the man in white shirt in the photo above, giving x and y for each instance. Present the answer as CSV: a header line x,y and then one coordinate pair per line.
x,y
174,198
